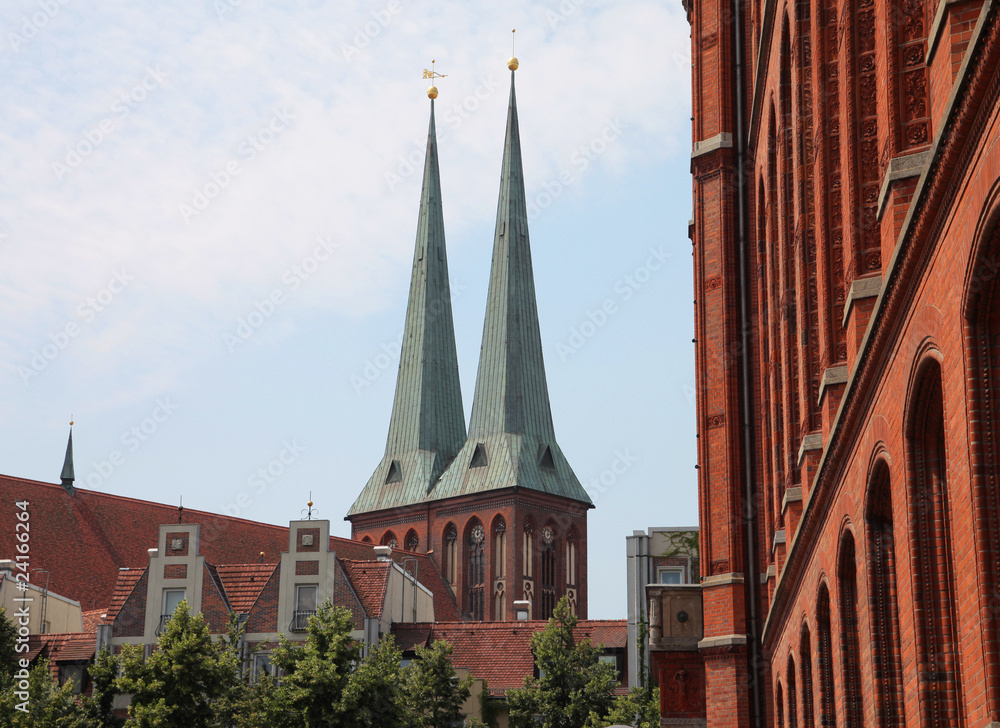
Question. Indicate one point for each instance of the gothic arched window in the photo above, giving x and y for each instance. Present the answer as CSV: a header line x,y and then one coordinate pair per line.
x,y
450,553
476,577
389,539
548,572
849,647
499,568
412,541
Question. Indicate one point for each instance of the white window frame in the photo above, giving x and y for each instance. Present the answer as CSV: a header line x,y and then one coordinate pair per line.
x,y
680,570
183,593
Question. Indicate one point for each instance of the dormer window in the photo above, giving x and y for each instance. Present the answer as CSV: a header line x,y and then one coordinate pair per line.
x,y
545,460
479,457
395,473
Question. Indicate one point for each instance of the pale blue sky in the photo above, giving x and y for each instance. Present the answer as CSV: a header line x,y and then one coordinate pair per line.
x,y
121,286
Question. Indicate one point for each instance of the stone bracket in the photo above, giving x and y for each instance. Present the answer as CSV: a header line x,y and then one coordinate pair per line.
x,y
779,539
733,577
812,441
862,288
832,376
909,165
727,640
792,495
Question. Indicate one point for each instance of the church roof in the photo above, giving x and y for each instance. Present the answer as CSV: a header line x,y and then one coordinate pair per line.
x,y
427,426
511,438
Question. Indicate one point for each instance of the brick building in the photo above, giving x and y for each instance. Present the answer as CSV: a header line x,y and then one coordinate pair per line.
x,y
845,240
499,509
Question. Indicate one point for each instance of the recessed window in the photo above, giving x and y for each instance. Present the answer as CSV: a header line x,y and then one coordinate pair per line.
x,y
545,461
672,576
395,473
305,606
73,674
262,666
172,598
479,457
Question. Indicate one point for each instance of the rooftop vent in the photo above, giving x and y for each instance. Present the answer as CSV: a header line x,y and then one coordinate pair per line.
x,y
382,552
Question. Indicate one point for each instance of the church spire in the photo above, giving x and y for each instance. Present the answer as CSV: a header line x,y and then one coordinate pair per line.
x,y
68,475
511,439
427,427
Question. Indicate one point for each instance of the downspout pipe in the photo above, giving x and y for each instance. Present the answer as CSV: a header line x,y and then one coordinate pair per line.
x,y
752,578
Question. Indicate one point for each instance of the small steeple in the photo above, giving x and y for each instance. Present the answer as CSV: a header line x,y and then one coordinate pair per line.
x,y
68,474
427,427
511,439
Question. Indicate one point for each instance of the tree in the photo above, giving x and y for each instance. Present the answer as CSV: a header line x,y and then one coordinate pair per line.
x,y
637,702
182,681
104,680
373,697
8,647
573,684
434,694
49,705
317,672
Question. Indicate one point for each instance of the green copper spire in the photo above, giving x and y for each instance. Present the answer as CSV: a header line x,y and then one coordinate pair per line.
x,y
68,474
427,427
511,438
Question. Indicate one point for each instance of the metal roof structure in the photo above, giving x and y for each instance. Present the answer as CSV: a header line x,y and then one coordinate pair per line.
x,y
427,427
511,438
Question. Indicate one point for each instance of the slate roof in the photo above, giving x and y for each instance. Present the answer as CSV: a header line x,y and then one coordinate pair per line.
x,y
500,652
370,580
427,426
511,414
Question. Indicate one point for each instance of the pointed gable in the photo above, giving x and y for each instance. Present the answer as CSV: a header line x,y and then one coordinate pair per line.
x,y
427,427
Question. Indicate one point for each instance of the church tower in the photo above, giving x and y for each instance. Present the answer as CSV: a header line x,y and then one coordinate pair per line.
x,y
501,510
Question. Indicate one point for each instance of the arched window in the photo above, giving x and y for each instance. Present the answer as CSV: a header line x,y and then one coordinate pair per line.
x,y
389,539
849,648
824,647
499,568
930,546
779,707
412,540
805,661
366,539
548,572
528,559
451,553
571,573
793,713
476,576
882,599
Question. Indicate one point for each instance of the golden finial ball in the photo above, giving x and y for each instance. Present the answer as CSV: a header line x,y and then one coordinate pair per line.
x,y
309,503
512,64
432,92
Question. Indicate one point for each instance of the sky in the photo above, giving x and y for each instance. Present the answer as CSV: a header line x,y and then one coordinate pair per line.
x,y
207,219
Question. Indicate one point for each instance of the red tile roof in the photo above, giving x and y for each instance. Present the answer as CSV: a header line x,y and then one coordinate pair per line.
x,y
243,583
370,580
127,579
64,647
92,619
84,539
500,652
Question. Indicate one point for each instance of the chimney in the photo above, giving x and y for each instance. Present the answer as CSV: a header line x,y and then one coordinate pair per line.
x,y
7,565
382,553
522,607
153,553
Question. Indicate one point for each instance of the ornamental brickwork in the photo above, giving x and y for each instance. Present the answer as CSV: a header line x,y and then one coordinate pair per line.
x,y
846,242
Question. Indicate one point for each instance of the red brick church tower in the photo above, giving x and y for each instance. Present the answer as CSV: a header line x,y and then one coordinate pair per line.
x,y
846,237
499,509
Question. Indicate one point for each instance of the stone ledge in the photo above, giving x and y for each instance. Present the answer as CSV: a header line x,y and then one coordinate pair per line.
x,y
812,441
674,644
733,577
769,574
722,140
832,376
792,495
727,640
909,165
935,32
779,539
862,288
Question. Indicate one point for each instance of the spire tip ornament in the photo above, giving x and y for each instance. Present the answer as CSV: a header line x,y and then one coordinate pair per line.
x,y
432,92
512,61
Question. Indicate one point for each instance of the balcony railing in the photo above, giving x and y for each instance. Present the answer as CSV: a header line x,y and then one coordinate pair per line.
x,y
300,620
164,618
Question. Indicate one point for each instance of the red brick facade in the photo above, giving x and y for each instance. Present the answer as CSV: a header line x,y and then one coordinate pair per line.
x,y
509,518
846,239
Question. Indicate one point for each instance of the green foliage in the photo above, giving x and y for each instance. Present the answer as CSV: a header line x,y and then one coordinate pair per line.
x,y
434,693
49,706
574,686
182,681
637,702
681,543
488,708
317,672
8,644
374,696
104,681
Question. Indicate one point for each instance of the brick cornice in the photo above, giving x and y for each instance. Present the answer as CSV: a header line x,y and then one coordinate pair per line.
x,y
972,98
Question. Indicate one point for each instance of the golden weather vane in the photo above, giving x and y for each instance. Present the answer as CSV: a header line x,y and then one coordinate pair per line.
x,y
512,62
432,92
